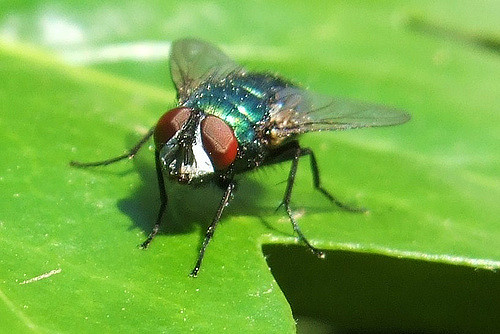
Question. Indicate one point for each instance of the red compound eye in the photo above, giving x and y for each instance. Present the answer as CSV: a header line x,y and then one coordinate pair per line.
x,y
219,141
168,125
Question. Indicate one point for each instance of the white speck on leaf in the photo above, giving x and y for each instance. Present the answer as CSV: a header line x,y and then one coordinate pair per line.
x,y
42,276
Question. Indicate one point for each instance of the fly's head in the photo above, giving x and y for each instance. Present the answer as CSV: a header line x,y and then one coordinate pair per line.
x,y
192,146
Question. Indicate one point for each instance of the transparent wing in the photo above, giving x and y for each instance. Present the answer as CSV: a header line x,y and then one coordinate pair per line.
x,y
193,61
295,111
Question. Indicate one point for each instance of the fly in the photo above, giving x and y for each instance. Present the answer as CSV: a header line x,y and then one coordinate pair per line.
x,y
229,120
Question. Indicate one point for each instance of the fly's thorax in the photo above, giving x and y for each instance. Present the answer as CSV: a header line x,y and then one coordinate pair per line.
x,y
241,100
193,146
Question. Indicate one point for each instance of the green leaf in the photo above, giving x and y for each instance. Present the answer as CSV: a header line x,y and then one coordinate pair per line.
x,y
84,81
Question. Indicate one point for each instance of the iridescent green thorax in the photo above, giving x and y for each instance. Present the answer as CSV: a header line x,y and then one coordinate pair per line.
x,y
241,100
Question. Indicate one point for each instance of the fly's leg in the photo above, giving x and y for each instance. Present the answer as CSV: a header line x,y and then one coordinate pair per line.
x,y
130,154
163,201
211,229
286,202
317,184
161,183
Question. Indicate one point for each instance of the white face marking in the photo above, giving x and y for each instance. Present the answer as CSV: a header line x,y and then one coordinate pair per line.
x,y
200,164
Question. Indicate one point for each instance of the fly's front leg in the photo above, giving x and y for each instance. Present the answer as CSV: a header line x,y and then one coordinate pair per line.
x,y
211,229
163,201
286,202
159,174
130,154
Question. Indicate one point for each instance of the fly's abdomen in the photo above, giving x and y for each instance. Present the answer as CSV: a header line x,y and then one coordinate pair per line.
x,y
242,101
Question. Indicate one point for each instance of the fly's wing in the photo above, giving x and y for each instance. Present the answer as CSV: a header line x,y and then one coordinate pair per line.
x,y
193,61
295,111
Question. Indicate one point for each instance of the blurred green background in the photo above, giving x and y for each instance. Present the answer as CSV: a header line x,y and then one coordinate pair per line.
x,y
84,81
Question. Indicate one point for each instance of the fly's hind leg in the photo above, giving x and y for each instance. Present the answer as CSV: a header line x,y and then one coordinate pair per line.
x,y
286,202
296,152
326,193
128,155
